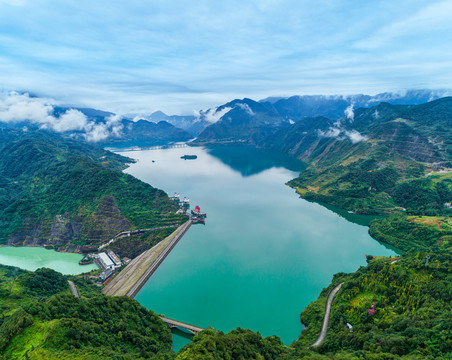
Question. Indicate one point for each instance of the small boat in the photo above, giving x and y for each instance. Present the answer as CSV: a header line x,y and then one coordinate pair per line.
x,y
186,202
189,157
197,213
176,197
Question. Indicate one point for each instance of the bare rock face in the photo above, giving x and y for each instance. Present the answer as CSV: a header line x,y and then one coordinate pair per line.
x,y
106,221
67,229
63,230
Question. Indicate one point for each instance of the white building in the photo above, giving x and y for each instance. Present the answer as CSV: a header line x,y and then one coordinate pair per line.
x,y
105,261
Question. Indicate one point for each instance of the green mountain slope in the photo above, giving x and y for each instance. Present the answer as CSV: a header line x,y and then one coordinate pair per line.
x,y
41,319
245,122
62,193
380,161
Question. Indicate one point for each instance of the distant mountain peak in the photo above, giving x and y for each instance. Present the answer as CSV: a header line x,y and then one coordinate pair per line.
x,y
158,116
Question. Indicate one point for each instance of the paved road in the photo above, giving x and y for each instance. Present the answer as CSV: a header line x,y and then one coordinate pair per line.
x,y
326,317
73,288
132,232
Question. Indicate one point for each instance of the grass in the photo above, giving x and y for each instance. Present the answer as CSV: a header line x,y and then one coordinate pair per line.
x,y
31,338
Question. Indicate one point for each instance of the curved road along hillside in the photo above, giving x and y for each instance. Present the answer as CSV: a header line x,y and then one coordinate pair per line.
x,y
326,317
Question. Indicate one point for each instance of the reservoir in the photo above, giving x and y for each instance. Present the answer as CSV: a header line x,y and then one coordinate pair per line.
x,y
263,255
32,258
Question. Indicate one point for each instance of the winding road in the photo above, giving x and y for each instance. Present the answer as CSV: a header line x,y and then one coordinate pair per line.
x,y
326,317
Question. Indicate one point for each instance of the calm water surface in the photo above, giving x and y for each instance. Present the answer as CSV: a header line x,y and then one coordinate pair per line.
x,y
264,253
32,258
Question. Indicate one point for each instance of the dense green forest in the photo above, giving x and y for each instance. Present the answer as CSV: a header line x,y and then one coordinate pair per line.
x,y
414,233
60,192
41,319
388,159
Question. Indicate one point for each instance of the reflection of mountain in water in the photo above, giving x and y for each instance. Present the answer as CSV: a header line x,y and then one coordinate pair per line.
x,y
250,161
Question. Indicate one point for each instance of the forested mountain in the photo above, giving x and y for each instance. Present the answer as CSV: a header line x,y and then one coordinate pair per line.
x,y
192,124
145,133
385,159
334,106
249,122
41,319
412,302
126,132
62,192
93,125
245,121
376,160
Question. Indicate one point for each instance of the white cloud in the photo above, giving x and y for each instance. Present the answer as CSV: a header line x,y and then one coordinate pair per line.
x,y
355,136
211,115
21,108
199,56
331,132
336,132
71,120
349,113
246,108
435,17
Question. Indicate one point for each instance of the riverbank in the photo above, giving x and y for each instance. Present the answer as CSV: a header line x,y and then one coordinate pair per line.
x,y
34,257
132,278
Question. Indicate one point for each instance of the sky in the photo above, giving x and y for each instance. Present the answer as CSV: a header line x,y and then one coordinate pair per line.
x,y
179,56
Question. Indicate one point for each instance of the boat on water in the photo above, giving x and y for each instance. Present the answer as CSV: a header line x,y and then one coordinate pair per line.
x,y
176,197
189,157
198,213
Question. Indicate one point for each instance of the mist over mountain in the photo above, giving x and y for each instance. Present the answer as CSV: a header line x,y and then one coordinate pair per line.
x,y
334,106
24,111
244,121
248,121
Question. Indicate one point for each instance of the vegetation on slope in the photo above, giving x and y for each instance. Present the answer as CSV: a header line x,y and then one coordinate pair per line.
x,y
385,174
379,162
414,233
41,319
61,192
413,308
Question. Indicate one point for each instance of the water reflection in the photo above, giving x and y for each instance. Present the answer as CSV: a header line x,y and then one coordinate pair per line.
x,y
249,160
263,255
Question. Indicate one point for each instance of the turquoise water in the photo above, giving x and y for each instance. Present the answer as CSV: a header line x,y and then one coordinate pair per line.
x,y
32,258
264,253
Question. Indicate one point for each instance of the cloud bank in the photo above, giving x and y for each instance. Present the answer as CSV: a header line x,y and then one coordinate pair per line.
x,y
211,115
139,57
17,108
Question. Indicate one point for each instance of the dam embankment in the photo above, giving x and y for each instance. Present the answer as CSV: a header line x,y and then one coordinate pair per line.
x,y
132,278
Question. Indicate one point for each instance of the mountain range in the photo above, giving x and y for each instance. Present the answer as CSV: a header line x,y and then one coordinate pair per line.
x,y
240,121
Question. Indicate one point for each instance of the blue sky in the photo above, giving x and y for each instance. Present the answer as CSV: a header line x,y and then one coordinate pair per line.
x,y
177,56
